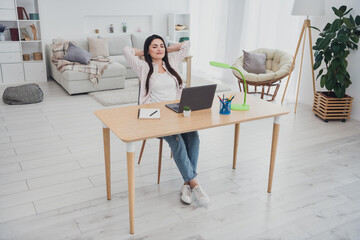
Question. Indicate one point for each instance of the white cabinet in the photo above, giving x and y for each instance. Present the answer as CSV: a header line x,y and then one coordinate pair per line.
x,y
9,47
34,72
7,14
178,19
7,4
13,68
10,57
12,73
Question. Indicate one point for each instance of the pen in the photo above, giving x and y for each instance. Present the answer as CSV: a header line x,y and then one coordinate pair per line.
x,y
220,99
153,113
231,99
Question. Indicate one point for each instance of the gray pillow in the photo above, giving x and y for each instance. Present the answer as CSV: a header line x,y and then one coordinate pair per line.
x,y
77,54
254,62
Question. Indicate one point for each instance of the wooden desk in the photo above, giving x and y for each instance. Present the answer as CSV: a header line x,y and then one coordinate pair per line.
x,y
124,124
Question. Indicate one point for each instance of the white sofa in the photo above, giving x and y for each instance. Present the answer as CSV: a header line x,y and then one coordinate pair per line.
x,y
114,76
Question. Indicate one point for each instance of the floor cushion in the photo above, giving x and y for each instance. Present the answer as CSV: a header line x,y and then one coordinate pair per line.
x,y
24,94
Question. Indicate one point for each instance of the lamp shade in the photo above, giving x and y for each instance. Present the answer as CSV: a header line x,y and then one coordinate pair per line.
x,y
308,7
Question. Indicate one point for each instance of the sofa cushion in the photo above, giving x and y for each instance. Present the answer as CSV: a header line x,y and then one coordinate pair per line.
x,y
120,59
98,47
114,70
138,39
118,43
77,54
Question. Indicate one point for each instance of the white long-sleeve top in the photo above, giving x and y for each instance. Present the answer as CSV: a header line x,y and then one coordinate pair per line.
x,y
141,68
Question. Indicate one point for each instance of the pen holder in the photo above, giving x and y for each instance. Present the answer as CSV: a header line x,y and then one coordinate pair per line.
x,y
225,108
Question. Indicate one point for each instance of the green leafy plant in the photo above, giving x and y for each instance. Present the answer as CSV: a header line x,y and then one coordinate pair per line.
x,y
332,47
186,108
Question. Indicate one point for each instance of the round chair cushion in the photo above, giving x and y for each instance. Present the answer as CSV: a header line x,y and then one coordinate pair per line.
x,y
278,65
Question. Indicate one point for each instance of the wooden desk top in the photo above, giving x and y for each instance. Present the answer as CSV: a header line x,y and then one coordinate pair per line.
x,y
123,121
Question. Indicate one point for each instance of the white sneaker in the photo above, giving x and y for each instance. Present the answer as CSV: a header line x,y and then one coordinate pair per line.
x,y
200,195
186,194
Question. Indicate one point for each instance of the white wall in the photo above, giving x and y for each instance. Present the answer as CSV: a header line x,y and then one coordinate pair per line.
x,y
65,18
305,94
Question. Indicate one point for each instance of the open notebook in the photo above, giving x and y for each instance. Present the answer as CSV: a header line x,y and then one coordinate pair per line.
x,y
148,113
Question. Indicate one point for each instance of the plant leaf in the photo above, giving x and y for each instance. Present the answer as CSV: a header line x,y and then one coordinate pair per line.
x,y
354,38
319,74
325,42
315,28
352,19
348,11
322,81
340,79
327,27
342,8
337,12
317,65
342,38
357,20
339,92
348,22
330,83
335,25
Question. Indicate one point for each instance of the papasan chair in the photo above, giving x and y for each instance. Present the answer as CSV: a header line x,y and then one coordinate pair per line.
x,y
278,66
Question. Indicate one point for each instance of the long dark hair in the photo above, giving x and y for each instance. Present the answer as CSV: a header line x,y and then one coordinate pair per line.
x,y
148,59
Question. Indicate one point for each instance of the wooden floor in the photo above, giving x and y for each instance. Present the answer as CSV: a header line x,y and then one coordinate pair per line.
x,y
52,182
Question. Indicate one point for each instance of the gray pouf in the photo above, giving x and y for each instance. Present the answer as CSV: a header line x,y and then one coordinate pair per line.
x,y
24,94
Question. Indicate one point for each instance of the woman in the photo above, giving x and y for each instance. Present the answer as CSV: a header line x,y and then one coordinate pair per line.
x,y
159,82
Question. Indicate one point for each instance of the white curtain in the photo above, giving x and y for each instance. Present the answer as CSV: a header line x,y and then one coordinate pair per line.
x,y
221,29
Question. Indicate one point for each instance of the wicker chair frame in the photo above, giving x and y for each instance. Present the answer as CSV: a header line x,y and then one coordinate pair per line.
x,y
269,84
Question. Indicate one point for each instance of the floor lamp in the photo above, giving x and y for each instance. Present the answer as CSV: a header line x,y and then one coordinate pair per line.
x,y
304,8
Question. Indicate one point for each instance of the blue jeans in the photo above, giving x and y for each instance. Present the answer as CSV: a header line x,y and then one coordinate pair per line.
x,y
185,150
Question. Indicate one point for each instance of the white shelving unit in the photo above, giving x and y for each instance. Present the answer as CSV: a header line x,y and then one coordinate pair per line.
x,y
13,69
175,19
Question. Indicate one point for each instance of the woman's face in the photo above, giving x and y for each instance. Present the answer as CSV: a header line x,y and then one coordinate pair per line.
x,y
157,49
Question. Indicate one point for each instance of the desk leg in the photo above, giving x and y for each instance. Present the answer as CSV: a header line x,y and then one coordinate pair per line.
x,y
188,72
236,143
275,138
106,136
130,155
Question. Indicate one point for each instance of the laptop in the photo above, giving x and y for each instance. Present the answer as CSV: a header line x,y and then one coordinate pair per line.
x,y
197,98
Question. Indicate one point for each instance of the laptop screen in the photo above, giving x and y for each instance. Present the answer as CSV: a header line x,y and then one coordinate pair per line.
x,y
197,98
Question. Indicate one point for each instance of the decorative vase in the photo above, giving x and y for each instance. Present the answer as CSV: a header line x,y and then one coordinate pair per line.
x,y
2,36
187,113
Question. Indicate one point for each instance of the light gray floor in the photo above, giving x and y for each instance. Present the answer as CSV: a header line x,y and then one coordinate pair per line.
x,y
52,183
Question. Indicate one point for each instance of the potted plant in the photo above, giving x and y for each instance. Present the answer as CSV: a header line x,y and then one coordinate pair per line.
x,y
2,30
332,48
186,111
